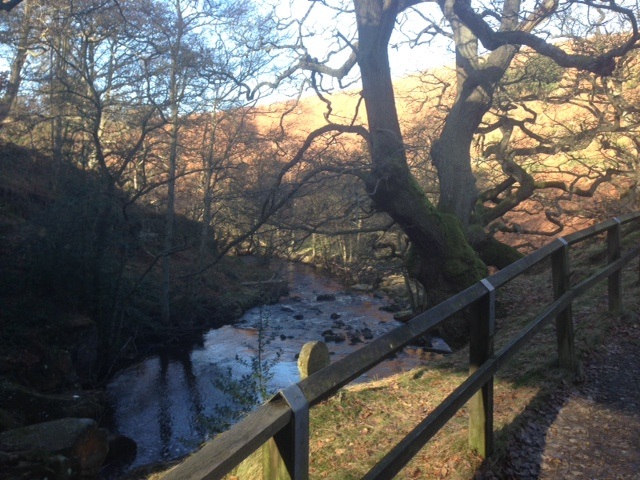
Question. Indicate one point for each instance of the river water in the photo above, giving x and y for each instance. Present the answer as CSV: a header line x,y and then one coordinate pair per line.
x,y
168,402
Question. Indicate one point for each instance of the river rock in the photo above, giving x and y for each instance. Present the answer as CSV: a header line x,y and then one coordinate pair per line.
x,y
391,308
362,287
34,407
326,297
334,337
367,334
78,439
403,316
335,316
438,345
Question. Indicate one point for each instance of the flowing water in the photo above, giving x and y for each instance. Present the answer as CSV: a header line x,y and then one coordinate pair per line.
x,y
166,403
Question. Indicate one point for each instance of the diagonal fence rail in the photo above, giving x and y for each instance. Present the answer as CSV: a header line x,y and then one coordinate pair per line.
x,y
284,421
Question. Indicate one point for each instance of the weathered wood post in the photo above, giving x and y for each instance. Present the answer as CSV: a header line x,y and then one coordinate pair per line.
x,y
286,455
482,330
614,251
564,320
314,356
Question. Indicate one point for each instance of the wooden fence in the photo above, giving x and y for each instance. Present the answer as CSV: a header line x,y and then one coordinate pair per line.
x,y
284,421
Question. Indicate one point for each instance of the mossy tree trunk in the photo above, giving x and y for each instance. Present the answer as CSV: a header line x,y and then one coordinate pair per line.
x,y
442,259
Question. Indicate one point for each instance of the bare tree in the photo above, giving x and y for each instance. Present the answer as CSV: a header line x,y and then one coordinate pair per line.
x,y
442,256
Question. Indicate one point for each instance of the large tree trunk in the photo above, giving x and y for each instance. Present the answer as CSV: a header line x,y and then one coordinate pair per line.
x,y
476,83
442,259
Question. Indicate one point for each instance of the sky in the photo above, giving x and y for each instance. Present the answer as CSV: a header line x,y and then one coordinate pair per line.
x,y
322,26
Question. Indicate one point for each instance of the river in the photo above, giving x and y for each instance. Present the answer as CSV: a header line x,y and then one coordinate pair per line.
x,y
169,403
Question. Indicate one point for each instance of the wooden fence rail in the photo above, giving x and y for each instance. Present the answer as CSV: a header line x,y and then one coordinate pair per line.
x,y
285,418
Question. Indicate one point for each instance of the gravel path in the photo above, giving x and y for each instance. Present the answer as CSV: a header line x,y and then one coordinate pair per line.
x,y
589,430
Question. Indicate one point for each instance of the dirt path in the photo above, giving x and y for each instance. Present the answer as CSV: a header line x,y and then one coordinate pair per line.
x,y
589,430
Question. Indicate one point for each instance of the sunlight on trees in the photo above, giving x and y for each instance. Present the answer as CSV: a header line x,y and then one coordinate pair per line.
x,y
171,105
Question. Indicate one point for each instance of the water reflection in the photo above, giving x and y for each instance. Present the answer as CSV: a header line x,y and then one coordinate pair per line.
x,y
162,401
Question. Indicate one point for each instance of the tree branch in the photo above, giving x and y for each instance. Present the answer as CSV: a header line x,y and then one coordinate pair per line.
x,y
603,65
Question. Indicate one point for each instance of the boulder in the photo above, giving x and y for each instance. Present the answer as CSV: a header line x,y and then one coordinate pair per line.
x,y
78,439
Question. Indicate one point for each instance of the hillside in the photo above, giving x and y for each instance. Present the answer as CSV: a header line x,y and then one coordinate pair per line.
x,y
54,336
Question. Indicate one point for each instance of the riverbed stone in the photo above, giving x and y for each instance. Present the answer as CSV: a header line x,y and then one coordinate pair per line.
x,y
326,297
403,316
78,439
362,287
314,356
334,337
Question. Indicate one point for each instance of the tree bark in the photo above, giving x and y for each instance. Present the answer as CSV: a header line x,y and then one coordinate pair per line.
x,y
442,259
476,84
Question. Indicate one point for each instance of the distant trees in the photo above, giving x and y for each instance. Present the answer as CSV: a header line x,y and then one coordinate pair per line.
x,y
22,28
159,100
141,96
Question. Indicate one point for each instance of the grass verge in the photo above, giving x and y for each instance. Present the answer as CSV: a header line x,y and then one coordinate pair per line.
x,y
352,431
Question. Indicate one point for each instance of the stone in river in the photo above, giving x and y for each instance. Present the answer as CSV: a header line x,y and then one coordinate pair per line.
x,y
325,297
367,333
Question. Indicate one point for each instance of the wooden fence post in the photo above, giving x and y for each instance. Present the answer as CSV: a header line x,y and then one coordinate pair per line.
x,y
614,252
286,455
564,320
480,406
